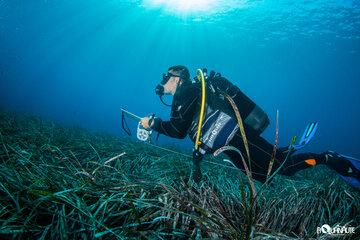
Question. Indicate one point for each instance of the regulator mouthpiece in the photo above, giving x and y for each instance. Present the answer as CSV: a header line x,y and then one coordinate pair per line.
x,y
159,90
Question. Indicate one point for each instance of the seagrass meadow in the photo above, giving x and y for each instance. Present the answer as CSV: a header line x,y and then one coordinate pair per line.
x,y
58,182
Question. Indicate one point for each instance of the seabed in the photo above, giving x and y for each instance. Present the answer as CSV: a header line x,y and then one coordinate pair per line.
x,y
61,182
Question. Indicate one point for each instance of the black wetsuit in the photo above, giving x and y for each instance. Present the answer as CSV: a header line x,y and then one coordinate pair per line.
x,y
185,108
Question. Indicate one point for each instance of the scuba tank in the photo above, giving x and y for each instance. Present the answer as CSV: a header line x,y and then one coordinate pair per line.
x,y
254,117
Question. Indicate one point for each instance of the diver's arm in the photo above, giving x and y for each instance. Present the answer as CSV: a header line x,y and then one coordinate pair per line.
x,y
168,128
181,118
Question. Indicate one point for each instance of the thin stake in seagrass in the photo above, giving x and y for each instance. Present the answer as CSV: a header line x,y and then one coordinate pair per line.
x,y
275,145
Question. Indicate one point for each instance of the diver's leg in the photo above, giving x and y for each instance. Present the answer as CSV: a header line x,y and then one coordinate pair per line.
x,y
344,165
299,162
347,167
257,172
335,161
260,155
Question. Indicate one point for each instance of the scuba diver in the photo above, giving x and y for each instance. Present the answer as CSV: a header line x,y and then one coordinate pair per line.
x,y
219,128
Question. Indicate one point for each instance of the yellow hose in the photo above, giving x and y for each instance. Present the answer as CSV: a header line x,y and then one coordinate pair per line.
x,y
201,78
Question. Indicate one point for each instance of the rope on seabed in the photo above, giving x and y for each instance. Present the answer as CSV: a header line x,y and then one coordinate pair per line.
x,y
189,156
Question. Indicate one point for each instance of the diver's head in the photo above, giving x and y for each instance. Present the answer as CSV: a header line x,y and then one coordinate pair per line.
x,y
175,76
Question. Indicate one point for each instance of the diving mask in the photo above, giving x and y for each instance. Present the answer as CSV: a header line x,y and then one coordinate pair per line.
x,y
159,90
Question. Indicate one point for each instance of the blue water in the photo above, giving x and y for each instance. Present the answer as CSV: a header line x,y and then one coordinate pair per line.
x,y
78,62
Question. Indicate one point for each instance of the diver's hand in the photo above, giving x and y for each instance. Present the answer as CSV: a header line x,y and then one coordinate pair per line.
x,y
145,122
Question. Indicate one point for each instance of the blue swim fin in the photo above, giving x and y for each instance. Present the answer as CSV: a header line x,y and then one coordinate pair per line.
x,y
308,134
